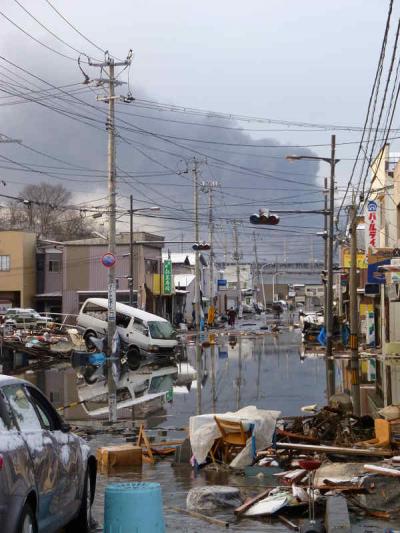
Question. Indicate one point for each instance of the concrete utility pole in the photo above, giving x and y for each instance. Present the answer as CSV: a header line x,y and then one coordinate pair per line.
x,y
208,187
111,82
236,257
131,250
256,278
195,174
355,375
325,248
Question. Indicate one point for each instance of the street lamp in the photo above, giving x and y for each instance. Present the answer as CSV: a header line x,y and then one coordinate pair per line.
x,y
274,276
332,161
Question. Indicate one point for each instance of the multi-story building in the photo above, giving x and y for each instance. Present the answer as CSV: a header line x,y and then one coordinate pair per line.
x,y
17,269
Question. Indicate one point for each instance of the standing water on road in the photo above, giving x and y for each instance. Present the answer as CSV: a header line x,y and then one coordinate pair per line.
x,y
263,370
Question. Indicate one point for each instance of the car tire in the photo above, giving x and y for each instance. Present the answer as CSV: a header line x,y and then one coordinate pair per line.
x,y
27,521
133,357
89,345
83,522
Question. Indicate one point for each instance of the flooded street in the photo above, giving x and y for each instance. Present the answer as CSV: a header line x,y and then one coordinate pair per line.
x,y
235,370
263,370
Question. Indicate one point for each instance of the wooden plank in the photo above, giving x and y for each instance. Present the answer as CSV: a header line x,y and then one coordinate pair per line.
x,y
331,449
382,470
288,523
195,514
296,436
246,505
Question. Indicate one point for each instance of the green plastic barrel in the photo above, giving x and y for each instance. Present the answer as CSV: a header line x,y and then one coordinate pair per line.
x,y
133,508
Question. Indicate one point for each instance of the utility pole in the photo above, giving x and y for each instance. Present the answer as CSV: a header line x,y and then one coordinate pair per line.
x,y
131,251
196,240
325,248
110,98
236,257
355,375
208,188
330,364
257,269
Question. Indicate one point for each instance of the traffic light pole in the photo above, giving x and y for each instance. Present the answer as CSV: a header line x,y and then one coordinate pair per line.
x,y
330,363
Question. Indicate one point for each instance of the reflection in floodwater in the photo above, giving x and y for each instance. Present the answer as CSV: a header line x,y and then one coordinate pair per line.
x,y
236,371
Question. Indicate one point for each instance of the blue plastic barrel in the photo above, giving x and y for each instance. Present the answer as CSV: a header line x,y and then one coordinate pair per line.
x,y
133,508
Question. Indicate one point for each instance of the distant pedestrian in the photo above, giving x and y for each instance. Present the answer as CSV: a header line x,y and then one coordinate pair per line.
x,y
231,317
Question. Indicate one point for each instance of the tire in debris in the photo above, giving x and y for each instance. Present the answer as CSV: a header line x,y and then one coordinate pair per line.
x,y
133,356
89,344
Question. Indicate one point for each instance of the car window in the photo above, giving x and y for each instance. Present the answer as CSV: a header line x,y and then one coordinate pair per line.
x,y
48,416
24,412
122,320
139,326
6,416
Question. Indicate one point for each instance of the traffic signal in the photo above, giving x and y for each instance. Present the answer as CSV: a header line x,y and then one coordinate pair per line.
x,y
264,217
201,246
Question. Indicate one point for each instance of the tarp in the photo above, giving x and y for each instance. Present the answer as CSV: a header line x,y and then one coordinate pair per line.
x,y
203,431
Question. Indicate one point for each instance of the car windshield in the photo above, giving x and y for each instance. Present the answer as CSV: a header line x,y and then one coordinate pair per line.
x,y
161,330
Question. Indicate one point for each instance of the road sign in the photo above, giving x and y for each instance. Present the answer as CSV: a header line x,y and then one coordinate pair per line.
x,y
108,260
221,283
167,277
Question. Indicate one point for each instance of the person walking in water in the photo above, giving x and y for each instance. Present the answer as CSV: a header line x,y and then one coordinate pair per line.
x,y
231,317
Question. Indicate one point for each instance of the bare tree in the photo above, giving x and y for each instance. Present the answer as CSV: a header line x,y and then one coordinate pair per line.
x,y
46,210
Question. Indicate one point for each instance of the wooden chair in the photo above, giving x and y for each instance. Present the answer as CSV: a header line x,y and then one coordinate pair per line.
x,y
233,438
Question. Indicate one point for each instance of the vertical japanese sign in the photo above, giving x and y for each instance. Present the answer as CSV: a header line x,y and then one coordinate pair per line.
x,y
167,289
371,226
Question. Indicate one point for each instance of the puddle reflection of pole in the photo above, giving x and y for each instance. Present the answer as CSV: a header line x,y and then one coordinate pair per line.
x,y
213,379
260,354
239,379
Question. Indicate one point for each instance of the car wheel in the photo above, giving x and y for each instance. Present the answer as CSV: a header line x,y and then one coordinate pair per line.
x,y
83,522
27,522
133,357
89,344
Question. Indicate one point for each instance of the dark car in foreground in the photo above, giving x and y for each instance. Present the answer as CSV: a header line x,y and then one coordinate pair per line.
x,y
47,474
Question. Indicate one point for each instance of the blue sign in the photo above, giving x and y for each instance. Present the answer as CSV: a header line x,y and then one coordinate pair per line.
x,y
221,283
373,275
108,260
222,353
372,206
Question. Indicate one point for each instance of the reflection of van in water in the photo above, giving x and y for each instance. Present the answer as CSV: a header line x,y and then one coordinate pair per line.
x,y
144,334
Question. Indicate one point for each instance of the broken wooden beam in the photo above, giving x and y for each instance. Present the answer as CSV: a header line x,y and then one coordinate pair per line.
x,y
195,514
340,450
246,505
382,470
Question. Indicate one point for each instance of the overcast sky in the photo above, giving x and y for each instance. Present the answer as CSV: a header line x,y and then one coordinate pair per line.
x,y
310,61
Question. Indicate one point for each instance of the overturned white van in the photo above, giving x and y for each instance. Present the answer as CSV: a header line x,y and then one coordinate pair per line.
x,y
144,335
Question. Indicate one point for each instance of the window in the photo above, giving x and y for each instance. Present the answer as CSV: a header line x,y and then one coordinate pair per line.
x,y
161,330
4,263
95,311
139,326
122,320
54,266
23,410
48,416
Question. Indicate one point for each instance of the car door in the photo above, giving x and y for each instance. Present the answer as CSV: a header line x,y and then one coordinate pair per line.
x,y
16,476
67,451
138,334
43,454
